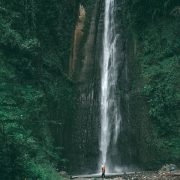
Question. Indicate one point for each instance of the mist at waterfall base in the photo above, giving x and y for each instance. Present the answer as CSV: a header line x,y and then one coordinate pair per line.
x,y
110,112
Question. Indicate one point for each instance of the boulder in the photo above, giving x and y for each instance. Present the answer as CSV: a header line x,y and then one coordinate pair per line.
x,y
167,168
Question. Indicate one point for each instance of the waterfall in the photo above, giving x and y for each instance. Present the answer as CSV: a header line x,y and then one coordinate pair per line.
x,y
110,114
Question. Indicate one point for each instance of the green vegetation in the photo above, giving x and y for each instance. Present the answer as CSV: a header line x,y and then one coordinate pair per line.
x,y
155,26
38,101
160,70
35,94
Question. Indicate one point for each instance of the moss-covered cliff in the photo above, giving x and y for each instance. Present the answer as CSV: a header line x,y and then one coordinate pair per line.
x,y
37,98
153,41
148,49
50,82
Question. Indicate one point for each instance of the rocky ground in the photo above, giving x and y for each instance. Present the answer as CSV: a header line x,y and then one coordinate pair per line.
x,y
167,172
141,176
150,176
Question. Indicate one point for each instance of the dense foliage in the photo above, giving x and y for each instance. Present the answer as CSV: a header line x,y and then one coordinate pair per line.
x,y
155,27
160,70
35,93
38,100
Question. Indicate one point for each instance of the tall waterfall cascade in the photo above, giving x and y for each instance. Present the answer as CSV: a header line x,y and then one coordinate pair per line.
x,y
110,113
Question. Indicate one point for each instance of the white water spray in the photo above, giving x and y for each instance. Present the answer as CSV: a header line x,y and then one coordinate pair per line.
x,y
110,116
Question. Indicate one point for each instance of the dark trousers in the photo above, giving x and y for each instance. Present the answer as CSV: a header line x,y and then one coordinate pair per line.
x,y
103,174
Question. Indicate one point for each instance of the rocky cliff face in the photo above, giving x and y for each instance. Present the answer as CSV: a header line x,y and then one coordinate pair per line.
x,y
77,38
138,135
86,73
86,69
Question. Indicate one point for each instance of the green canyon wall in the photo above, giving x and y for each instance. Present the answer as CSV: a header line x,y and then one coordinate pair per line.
x,y
154,72
148,84
50,60
36,94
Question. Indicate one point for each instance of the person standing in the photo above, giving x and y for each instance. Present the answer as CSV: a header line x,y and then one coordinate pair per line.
x,y
103,171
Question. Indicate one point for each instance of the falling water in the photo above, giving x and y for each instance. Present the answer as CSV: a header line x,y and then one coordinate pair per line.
x,y
110,116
